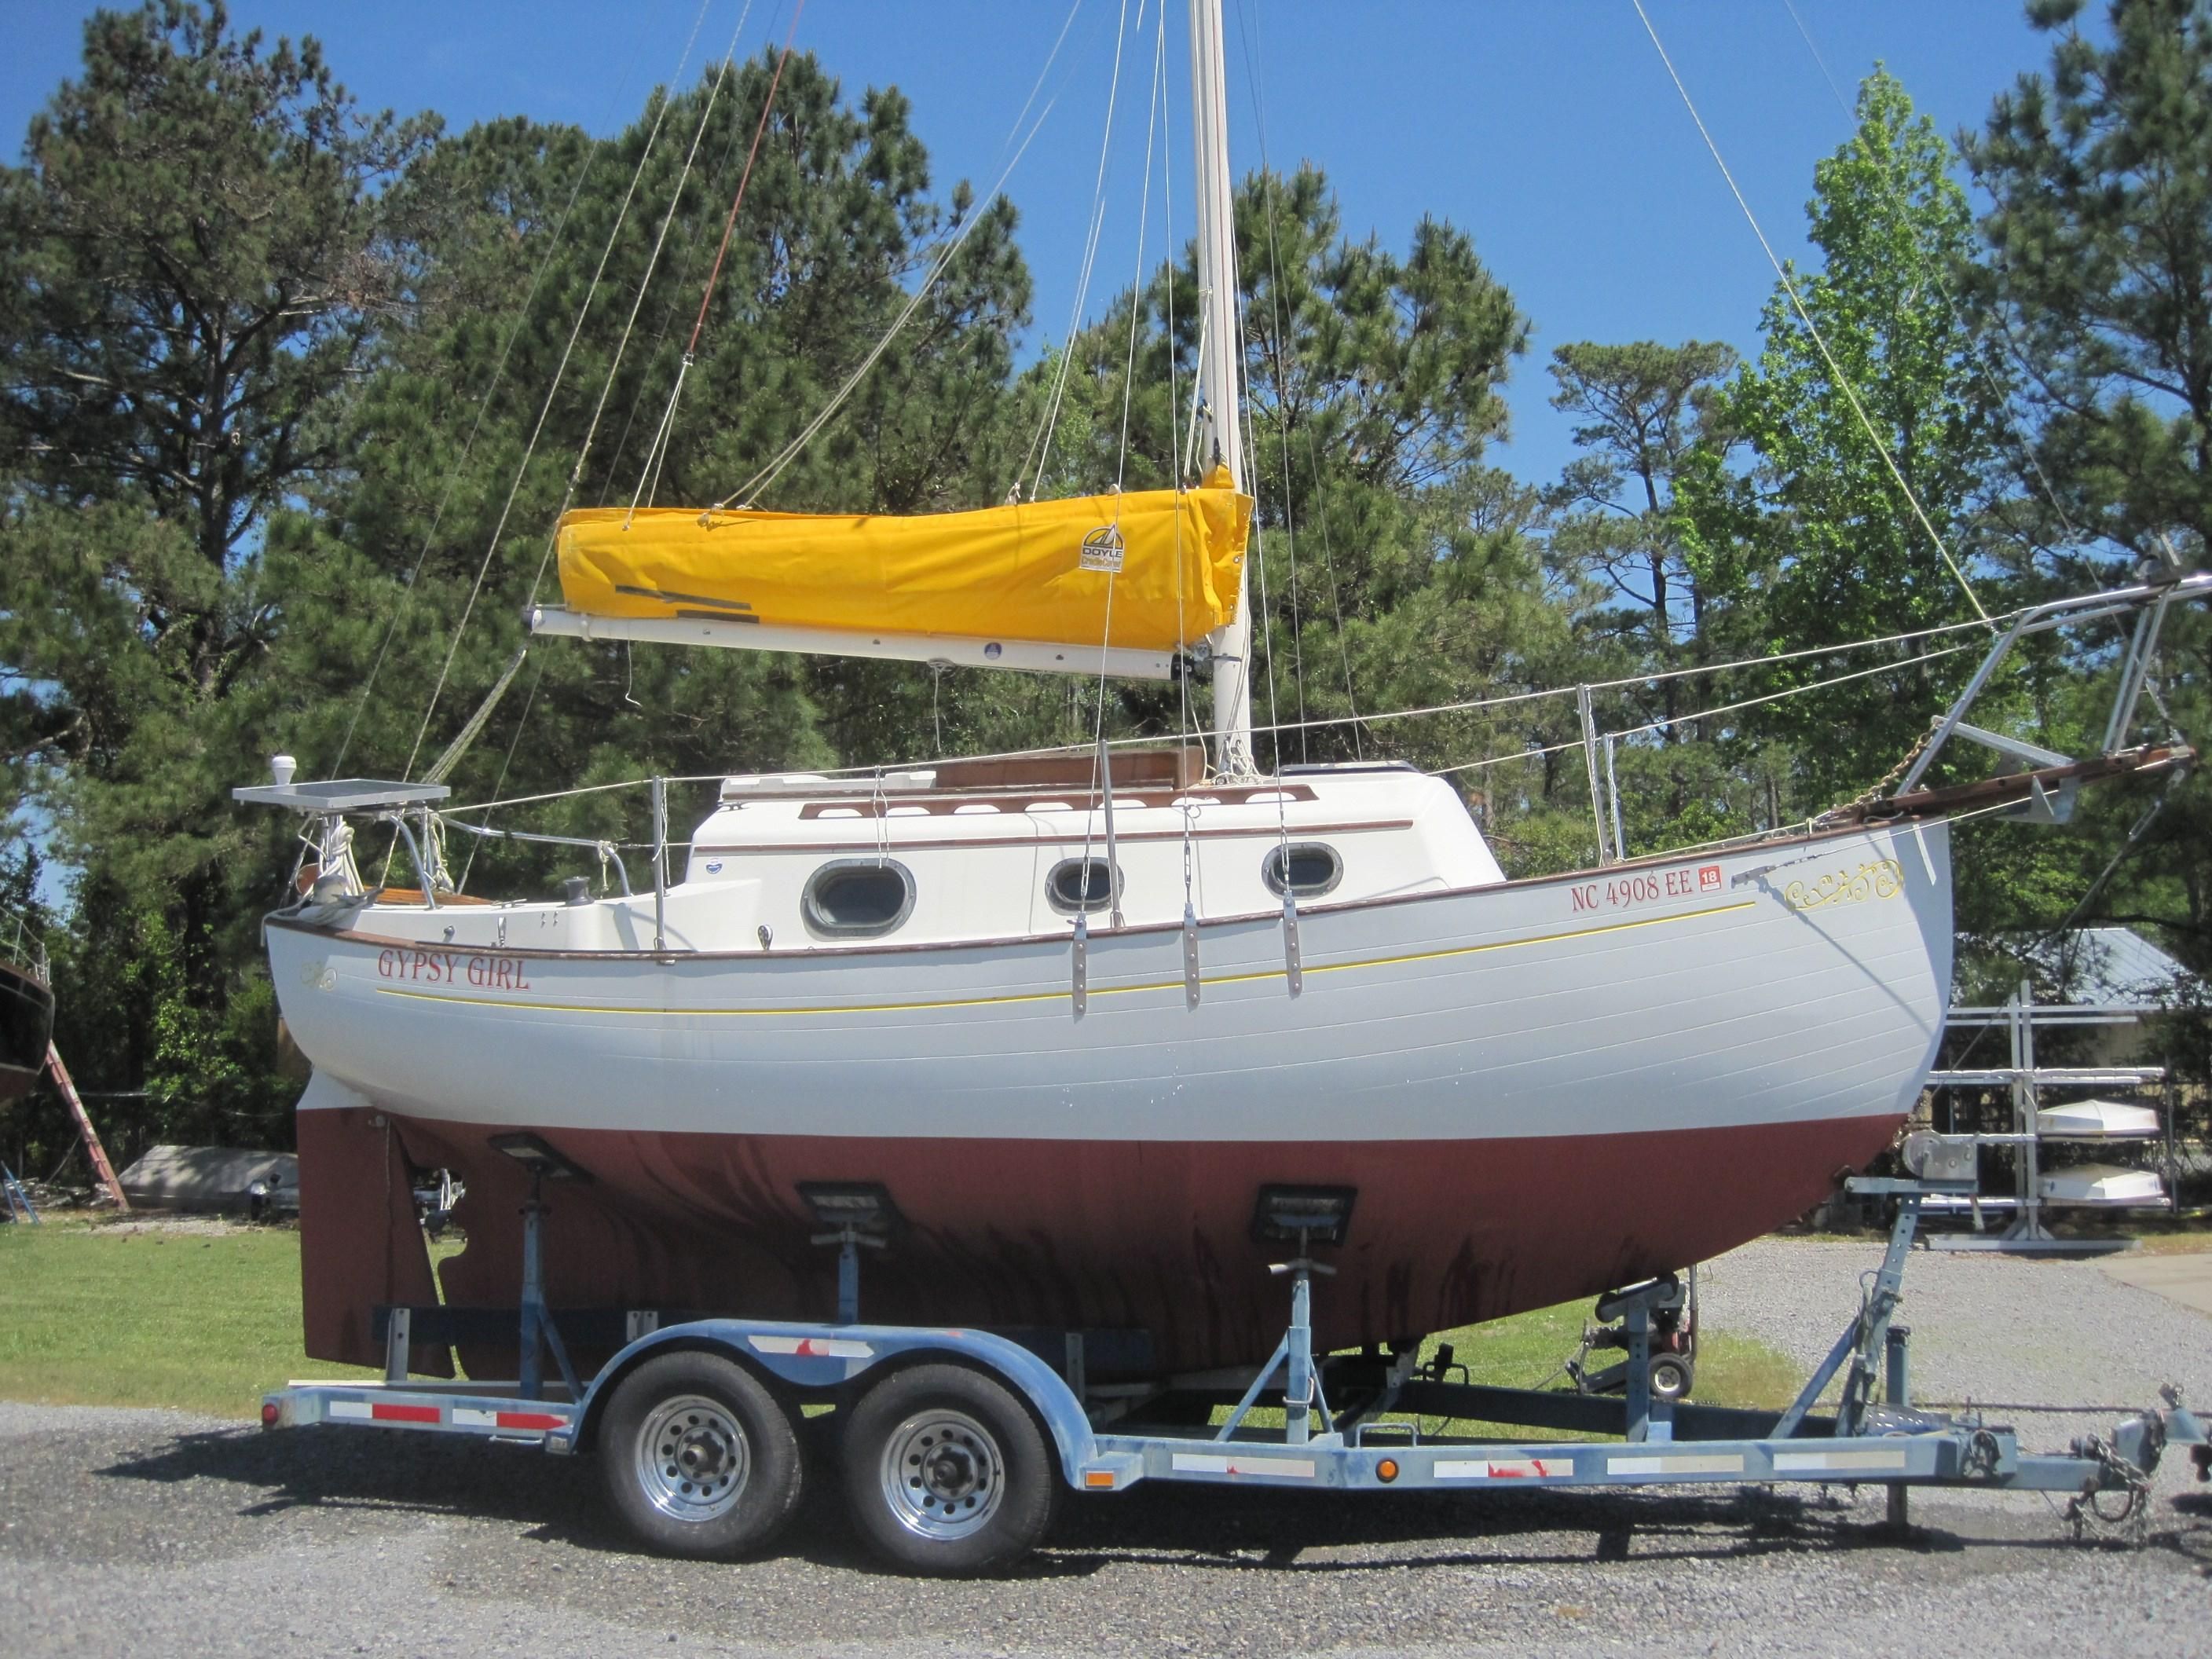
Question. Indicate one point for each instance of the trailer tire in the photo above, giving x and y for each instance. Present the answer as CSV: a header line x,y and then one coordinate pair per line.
x,y
699,1459
947,1472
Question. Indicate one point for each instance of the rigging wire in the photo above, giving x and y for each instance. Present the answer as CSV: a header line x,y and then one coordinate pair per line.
x,y
1183,718
1101,763
1503,700
514,743
1285,363
1843,380
1040,450
476,426
645,283
1998,393
669,313
1282,403
783,457
656,454
545,410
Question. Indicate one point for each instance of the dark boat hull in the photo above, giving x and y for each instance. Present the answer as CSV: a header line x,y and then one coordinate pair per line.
x,y
27,1026
1150,1243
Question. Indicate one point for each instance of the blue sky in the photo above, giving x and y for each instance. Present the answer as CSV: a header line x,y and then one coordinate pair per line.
x,y
1549,132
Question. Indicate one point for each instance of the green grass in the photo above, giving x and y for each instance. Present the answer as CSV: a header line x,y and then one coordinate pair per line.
x,y
105,1314
1526,1351
110,1315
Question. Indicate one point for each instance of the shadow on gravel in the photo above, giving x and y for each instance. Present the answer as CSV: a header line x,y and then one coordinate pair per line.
x,y
364,1469
556,1501
2193,1538
1302,1531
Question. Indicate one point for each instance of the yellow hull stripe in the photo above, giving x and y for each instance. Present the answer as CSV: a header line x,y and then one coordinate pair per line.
x,y
1095,991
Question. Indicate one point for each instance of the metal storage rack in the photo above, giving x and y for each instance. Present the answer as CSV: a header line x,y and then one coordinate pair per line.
x,y
2020,1017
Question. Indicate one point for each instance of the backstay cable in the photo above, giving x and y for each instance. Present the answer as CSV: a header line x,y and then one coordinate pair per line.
x,y
784,457
545,410
648,475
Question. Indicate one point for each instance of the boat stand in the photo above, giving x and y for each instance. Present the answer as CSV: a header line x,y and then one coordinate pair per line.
x,y
539,1331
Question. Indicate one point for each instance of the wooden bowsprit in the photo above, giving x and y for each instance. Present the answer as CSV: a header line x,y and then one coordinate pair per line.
x,y
94,1150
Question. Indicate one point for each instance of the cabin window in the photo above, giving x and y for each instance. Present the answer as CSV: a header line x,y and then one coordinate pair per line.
x,y
857,898
1076,884
1308,868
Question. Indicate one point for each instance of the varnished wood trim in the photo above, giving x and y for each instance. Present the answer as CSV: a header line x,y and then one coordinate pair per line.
x,y
1567,878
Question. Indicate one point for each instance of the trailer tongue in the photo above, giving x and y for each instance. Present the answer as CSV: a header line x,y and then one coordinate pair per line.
x,y
956,1444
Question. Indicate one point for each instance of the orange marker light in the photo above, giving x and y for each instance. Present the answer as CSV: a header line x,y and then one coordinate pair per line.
x,y
1387,1469
1098,1478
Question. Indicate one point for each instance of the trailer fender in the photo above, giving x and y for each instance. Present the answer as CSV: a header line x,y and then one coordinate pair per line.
x,y
821,1358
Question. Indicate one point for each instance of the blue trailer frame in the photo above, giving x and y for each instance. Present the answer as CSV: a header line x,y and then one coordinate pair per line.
x,y
1865,1439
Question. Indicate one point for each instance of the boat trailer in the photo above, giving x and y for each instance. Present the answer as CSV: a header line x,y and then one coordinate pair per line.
x,y
957,1443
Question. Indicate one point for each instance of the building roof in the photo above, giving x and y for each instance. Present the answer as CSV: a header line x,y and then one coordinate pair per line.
x,y
2119,966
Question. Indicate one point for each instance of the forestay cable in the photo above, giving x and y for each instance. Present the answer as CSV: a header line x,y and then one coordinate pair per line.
x,y
1843,380
1998,397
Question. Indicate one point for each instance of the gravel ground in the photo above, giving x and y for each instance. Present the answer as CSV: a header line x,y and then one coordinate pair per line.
x,y
151,1532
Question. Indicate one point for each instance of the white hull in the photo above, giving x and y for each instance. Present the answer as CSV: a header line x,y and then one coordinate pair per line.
x,y
1598,1005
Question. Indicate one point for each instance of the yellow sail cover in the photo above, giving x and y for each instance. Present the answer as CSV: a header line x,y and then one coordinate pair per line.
x,y
1035,570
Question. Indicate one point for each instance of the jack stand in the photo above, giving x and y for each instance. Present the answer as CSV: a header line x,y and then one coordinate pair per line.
x,y
1301,1389
1896,1393
539,1331
1650,1416
848,1241
1871,1335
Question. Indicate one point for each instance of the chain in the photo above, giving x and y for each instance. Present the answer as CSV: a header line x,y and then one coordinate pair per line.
x,y
1873,792
2132,1523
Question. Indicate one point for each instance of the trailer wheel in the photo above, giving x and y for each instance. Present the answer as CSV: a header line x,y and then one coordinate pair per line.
x,y
1671,1377
699,1459
947,1472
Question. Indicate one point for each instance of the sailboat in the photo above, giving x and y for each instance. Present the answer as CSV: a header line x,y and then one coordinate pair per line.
x,y
26,1011
1065,1026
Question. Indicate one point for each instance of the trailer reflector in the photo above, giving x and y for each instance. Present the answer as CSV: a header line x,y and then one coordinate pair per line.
x,y
1296,1468
1503,1468
1678,1463
467,1416
812,1347
1821,1463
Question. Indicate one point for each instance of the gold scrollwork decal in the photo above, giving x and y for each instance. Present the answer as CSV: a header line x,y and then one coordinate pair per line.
x,y
1877,878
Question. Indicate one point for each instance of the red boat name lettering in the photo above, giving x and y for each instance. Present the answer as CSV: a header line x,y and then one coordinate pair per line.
x,y
446,968
1645,888
429,967
498,973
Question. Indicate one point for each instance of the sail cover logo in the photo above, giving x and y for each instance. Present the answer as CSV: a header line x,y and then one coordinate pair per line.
x,y
1103,550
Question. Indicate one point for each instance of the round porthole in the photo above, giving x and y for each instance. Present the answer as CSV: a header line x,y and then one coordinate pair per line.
x,y
1079,884
857,898
1307,868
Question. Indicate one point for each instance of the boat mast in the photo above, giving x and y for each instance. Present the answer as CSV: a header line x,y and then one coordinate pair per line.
x,y
1219,361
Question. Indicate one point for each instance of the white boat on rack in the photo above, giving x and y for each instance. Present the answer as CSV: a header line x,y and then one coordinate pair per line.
x,y
1065,1021
2098,1120
2089,1185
